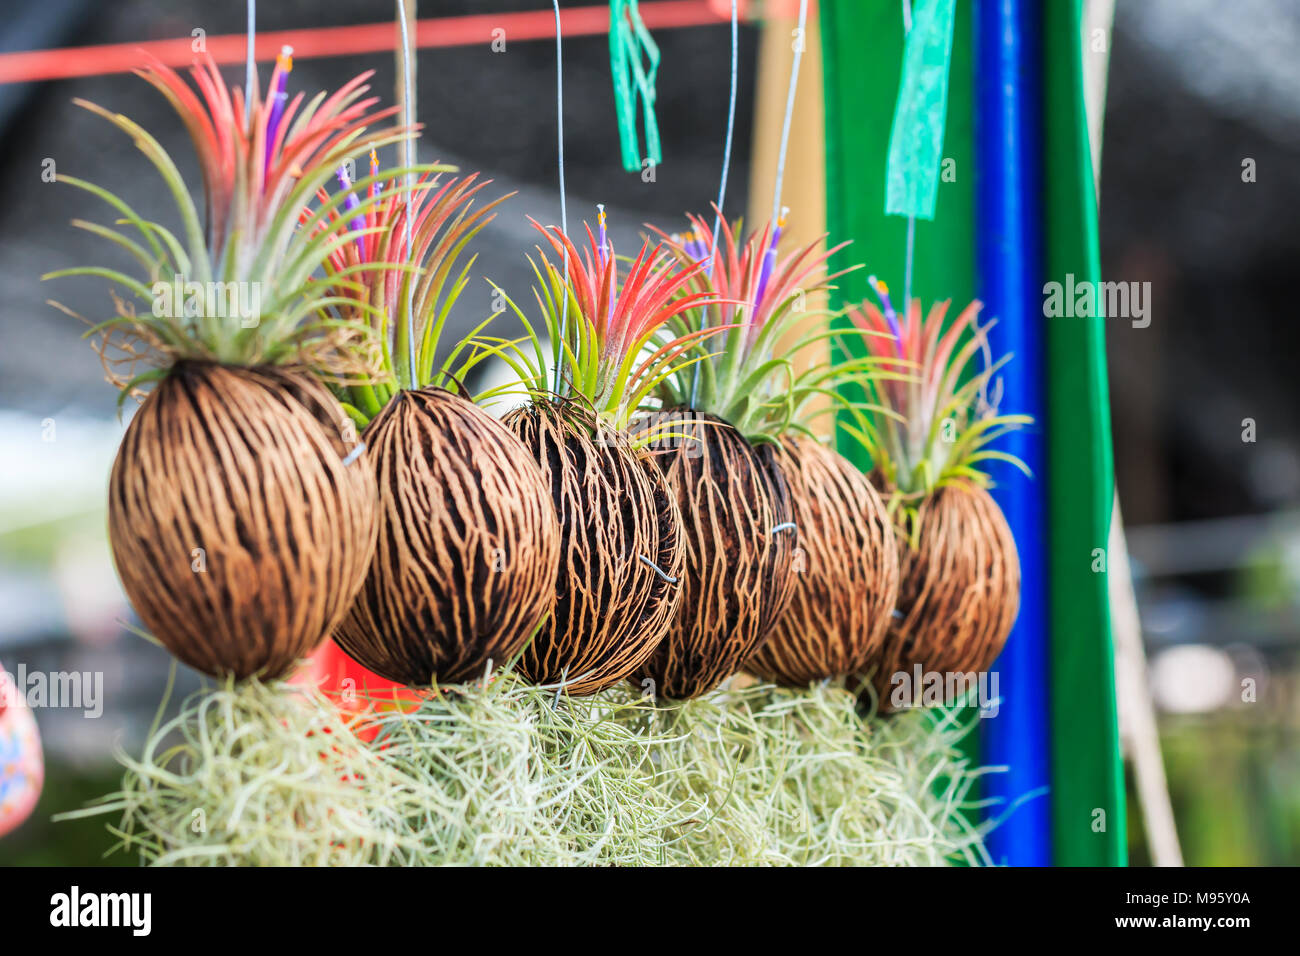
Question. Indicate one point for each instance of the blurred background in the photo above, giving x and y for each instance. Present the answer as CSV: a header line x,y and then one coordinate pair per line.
x,y
1200,196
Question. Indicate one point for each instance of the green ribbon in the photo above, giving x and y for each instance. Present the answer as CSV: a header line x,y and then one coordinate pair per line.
x,y
633,63
916,139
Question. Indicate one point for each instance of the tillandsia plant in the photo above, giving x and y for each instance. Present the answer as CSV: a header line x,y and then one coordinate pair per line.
x,y
240,527
621,549
758,302
928,434
791,565
734,501
469,544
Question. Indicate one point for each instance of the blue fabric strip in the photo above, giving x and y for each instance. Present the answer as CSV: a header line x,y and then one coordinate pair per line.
x,y
1009,242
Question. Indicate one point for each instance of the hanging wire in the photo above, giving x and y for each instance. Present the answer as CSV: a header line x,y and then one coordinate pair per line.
x,y
408,152
726,165
250,65
789,108
731,126
787,120
663,576
564,209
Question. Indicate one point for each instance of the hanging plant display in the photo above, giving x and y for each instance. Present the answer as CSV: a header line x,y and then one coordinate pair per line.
x,y
621,549
657,513
469,544
239,523
928,435
721,420
792,568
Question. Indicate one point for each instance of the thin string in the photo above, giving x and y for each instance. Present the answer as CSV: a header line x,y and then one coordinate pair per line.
x,y
408,151
564,208
250,66
731,125
726,165
911,220
789,108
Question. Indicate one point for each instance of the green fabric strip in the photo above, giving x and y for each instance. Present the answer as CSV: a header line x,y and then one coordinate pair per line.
x,y
1087,775
862,55
916,137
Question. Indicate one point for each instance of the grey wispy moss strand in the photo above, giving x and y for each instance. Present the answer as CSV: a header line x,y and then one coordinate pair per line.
x,y
511,774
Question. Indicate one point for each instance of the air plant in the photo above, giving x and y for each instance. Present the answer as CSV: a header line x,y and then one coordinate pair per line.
x,y
928,434
758,300
621,547
239,529
790,563
469,544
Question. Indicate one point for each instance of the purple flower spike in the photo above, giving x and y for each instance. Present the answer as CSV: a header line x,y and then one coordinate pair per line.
x,y
769,258
882,293
694,246
350,204
604,240
279,96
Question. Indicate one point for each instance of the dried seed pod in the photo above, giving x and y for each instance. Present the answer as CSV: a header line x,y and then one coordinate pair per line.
x,y
468,547
959,593
238,533
611,607
737,578
846,571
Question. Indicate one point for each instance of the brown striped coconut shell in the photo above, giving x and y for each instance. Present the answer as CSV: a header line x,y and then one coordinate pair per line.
x,y
238,533
737,578
468,546
960,589
610,608
846,571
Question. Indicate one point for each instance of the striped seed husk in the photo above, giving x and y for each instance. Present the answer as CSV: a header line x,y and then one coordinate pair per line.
x,y
610,608
846,571
960,589
737,578
239,535
468,546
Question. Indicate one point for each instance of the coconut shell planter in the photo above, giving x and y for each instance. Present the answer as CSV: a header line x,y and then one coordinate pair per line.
x,y
566,573
237,530
616,592
736,510
848,572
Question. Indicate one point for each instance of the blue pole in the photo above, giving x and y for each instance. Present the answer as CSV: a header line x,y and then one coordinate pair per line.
x,y
1009,250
